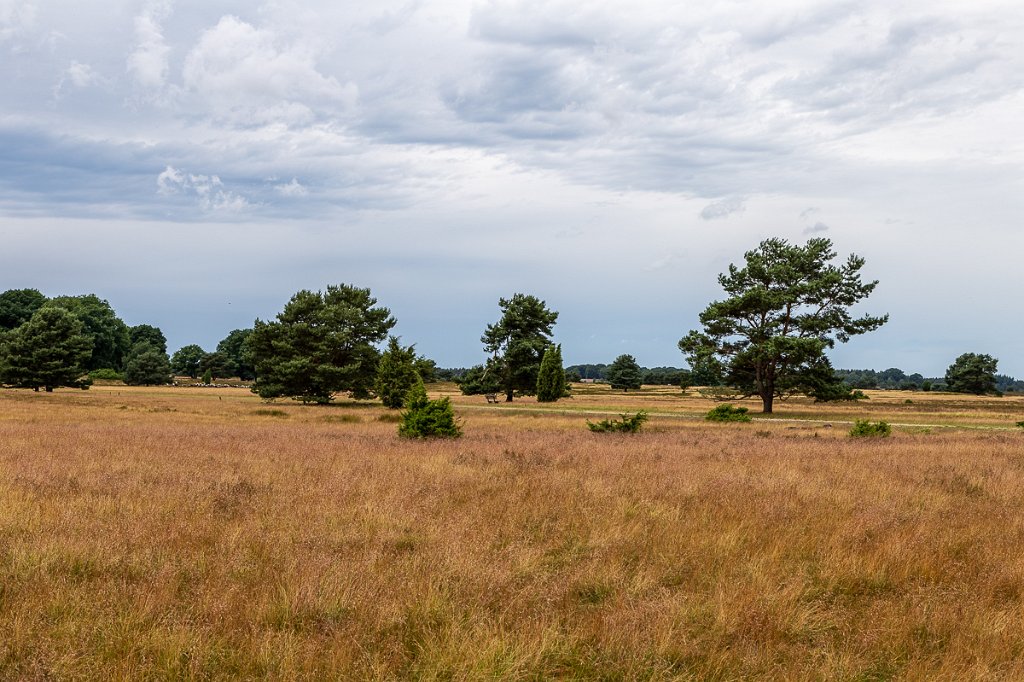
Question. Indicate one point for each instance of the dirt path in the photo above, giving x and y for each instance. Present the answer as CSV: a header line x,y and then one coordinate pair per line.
x,y
700,417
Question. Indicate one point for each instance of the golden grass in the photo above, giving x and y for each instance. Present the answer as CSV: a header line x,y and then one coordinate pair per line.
x,y
199,533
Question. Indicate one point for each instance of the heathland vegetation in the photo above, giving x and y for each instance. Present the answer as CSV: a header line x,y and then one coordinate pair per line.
x,y
198,533
633,531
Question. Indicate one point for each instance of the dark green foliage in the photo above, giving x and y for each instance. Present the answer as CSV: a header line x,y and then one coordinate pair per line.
x,y
478,381
187,360
892,378
1008,384
571,376
1021,424
862,428
426,368
624,373
110,340
972,373
321,344
551,377
705,369
235,348
106,375
785,307
727,413
664,376
48,351
517,343
396,374
626,423
17,306
208,377
145,334
148,367
216,364
588,371
425,418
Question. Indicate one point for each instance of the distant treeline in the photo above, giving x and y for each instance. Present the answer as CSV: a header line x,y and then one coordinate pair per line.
x,y
888,379
894,378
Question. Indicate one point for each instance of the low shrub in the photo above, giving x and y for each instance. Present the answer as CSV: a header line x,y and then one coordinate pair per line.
x,y
1020,424
727,413
626,424
106,374
425,418
862,428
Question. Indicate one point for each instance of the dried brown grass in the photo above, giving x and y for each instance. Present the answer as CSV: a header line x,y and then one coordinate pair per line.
x,y
169,533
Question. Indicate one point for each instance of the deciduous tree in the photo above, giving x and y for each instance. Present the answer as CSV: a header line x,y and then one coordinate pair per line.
x,y
17,306
110,340
187,359
235,347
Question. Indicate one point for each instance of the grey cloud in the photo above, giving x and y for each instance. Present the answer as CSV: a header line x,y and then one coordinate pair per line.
x,y
817,228
723,208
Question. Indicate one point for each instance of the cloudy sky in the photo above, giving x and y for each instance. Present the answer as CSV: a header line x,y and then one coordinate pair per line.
x,y
196,163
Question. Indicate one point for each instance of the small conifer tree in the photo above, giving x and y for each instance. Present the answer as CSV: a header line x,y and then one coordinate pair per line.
x,y
396,374
551,377
426,418
624,373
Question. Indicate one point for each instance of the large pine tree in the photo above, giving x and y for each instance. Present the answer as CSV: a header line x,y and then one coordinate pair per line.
x,y
48,351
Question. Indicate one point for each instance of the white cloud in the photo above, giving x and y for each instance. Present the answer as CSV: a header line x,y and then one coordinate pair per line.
x,y
79,76
16,16
148,62
208,190
245,75
291,189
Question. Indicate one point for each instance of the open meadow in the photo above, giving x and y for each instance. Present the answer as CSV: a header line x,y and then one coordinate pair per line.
x,y
201,533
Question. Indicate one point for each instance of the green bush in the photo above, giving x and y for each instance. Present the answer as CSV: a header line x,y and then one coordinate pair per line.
x,y
425,418
862,428
208,377
727,413
106,374
1020,424
627,424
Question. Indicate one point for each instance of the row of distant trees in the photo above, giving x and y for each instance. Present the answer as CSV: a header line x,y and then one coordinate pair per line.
x,y
784,307
69,340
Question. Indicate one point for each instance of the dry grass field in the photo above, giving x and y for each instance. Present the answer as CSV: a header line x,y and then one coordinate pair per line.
x,y
201,534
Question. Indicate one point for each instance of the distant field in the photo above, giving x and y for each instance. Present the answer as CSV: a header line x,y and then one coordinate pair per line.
x,y
200,533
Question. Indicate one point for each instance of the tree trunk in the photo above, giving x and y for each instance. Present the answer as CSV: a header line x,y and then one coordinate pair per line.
x,y
508,395
49,389
766,401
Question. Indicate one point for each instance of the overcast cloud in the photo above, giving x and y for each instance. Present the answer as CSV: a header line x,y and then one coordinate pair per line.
x,y
197,163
